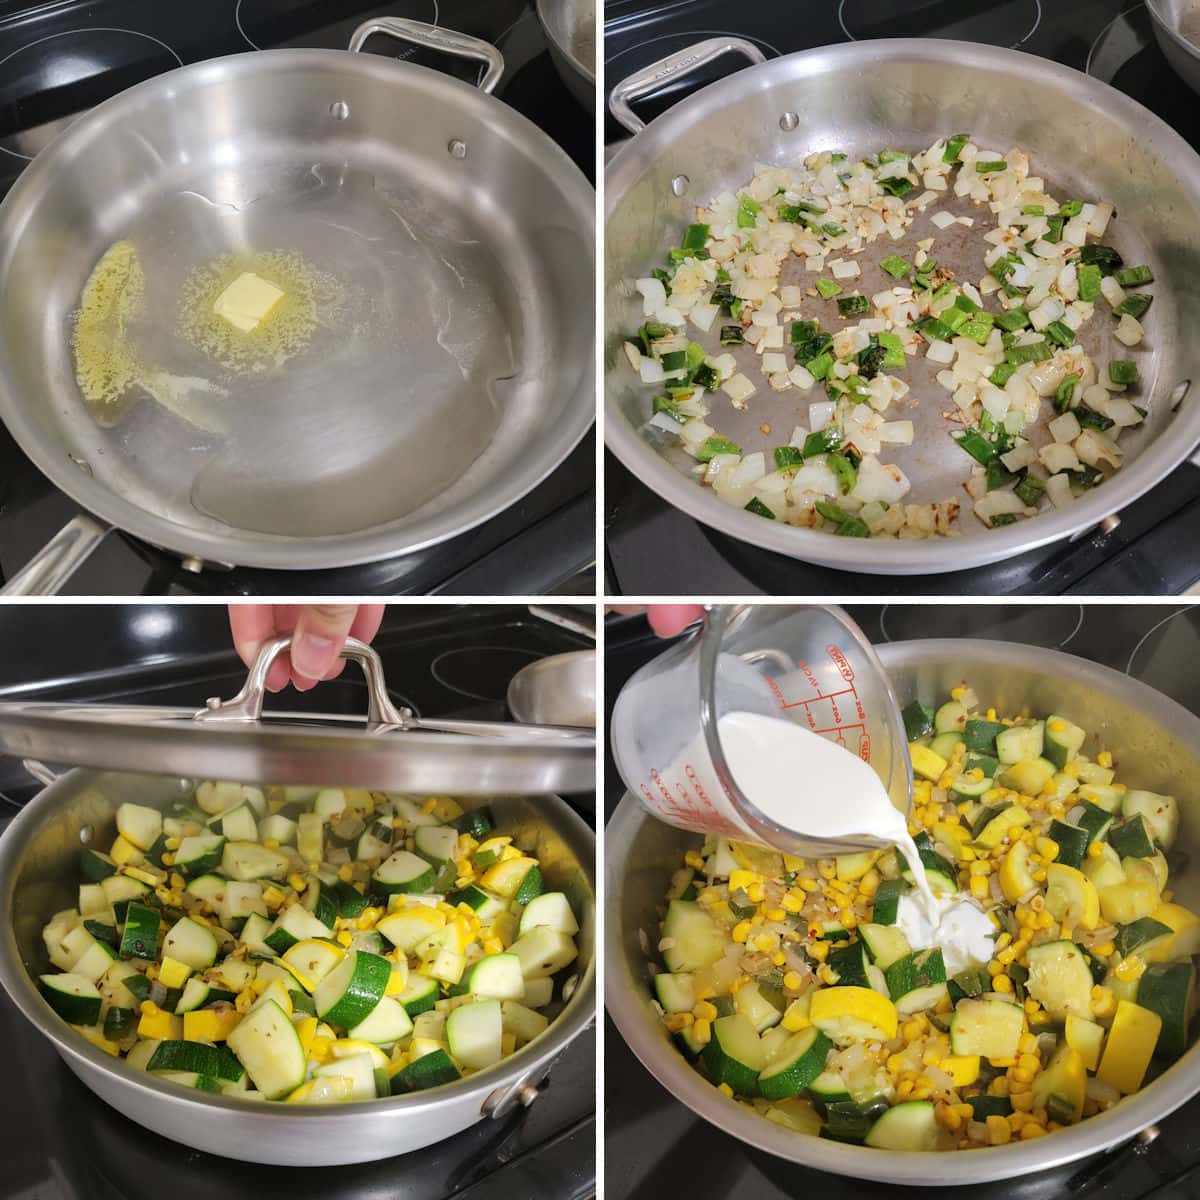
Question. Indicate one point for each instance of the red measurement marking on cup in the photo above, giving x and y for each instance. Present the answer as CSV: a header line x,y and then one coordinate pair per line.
x,y
835,711
688,806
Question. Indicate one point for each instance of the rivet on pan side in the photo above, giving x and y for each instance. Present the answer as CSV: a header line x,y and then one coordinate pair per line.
x,y
85,834
339,110
1110,523
457,148
680,184
192,565
1178,392
789,121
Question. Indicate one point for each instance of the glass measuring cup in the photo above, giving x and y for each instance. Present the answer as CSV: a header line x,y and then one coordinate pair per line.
x,y
807,663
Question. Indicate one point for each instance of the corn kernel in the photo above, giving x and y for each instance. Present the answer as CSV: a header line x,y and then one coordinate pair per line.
x,y
702,1031
705,1011
1002,983
999,1130
904,1089
776,914
1031,1130
756,892
725,1090
979,887
779,958
693,860
826,868
764,942
819,951
827,974
1104,758
792,981
947,1117
741,931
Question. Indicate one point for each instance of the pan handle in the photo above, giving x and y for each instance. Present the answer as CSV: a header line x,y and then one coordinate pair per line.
x,y
683,62
461,45
58,559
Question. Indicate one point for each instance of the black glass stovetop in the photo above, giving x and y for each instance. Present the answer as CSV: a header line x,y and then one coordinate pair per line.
x,y
663,1148
59,59
655,549
57,1140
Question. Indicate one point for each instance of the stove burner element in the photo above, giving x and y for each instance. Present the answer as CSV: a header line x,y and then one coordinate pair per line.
x,y
1126,35
480,672
264,14
45,82
1049,626
973,21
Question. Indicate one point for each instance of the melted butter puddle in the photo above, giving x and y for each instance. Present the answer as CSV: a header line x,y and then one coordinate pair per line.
x,y
107,368
105,364
310,298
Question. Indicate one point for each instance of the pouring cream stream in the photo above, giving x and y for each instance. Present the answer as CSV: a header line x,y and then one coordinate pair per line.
x,y
809,784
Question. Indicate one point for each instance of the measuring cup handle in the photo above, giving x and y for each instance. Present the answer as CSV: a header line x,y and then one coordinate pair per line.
x,y
683,62
461,45
248,703
59,559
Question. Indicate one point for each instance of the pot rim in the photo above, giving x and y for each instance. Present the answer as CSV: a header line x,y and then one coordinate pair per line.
x,y
18,982
245,547
1174,1087
880,556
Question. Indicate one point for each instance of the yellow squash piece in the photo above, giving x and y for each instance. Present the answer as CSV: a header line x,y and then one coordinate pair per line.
x,y
306,1030
173,973
1087,1038
155,1023
850,866
1124,903
1070,897
854,1014
1186,939
1131,1042
97,1038
1015,878
1062,1085
925,762
962,1068
210,1024
506,876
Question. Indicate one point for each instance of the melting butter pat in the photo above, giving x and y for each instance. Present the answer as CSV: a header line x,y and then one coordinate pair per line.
x,y
247,301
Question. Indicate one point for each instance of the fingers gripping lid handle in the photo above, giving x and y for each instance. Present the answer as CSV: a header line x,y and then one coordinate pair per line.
x,y
247,705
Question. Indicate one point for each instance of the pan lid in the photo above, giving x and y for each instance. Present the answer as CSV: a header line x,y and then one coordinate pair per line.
x,y
394,750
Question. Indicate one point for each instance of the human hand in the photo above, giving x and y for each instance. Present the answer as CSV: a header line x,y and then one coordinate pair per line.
x,y
318,633
666,620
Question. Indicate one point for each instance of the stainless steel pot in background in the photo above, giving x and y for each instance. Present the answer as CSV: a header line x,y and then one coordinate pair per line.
x,y
458,377
1158,745
1083,136
1176,29
570,28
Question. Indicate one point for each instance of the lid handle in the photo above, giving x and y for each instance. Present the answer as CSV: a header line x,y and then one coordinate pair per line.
x,y
247,705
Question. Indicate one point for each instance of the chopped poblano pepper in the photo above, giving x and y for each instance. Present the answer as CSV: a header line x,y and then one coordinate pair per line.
x,y
788,456
747,211
887,156
933,329
732,335
664,404
871,359
1033,210
853,306
843,471
715,445
706,377
852,527
990,168
976,445
896,266
801,331
695,237
1135,306
1065,392
954,147
1029,352
1053,235
758,508
894,347
1013,319
1104,257
1072,208
820,366
1089,282
1134,276
1060,332
898,185
828,288
1123,371
998,475
1090,419
822,442
1002,373
1030,490
1003,519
